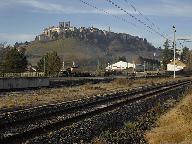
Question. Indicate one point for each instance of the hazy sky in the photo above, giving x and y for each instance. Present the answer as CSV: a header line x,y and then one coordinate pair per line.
x,y
22,20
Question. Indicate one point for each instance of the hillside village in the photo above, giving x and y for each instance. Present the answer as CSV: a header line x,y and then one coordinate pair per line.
x,y
103,38
65,30
90,47
103,46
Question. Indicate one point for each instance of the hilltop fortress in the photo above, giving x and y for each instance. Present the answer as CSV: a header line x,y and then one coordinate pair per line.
x,y
105,40
54,31
65,30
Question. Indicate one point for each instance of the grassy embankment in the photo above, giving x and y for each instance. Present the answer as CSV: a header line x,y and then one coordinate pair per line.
x,y
174,127
46,96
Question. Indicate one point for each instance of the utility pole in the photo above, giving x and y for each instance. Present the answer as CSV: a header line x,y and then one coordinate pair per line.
x,y
44,67
174,44
144,66
98,65
63,65
134,66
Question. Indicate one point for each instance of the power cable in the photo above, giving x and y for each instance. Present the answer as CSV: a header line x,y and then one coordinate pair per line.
x,y
129,14
115,16
106,12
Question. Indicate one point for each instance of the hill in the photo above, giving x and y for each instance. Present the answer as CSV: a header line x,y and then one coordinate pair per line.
x,y
88,48
68,49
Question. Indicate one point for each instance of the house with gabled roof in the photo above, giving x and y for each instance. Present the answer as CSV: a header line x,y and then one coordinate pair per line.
x,y
179,65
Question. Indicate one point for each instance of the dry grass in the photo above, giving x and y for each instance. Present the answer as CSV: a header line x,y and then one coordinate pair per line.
x,y
175,126
46,96
98,141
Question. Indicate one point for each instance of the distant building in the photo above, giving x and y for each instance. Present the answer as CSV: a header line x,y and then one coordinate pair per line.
x,y
42,37
119,66
61,24
50,32
147,63
178,66
67,24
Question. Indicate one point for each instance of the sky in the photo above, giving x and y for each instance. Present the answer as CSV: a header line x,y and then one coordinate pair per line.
x,y
22,20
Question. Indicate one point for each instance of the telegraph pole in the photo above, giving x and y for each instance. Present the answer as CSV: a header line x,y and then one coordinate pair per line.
x,y
174,44
144,66
44,67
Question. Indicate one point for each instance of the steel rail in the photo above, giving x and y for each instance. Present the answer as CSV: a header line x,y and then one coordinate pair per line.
x,y
88,112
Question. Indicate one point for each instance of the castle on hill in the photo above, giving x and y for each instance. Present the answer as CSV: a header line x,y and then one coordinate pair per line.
x,y
54,31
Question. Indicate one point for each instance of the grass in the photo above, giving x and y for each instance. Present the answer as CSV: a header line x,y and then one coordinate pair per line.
x,y
70,49
47,96
174,126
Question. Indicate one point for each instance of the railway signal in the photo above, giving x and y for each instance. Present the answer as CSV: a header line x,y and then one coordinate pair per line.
x,y
174,44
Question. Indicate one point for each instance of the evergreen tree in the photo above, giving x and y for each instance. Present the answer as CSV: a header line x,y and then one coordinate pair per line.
x,y
14,61
167,54
189,61
185,55
122,58
51,62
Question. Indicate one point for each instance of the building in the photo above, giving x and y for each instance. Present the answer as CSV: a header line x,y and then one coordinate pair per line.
x,y
119,66
147,63
61,24
67,24
178,66
42,37
50,32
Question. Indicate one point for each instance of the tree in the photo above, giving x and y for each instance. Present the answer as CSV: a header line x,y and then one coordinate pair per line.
x,y
189,61
16,45
122,58
185,55
14,61
167,54
51,62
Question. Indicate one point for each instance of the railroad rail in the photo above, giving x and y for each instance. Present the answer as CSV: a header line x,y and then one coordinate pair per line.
x,y
15,127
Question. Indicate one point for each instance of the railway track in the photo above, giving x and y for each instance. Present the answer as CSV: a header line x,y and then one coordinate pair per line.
x,y
23,128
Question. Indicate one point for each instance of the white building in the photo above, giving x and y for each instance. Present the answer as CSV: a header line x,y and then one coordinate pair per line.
x,y
178,66
119,66
50,30
42,37
63,26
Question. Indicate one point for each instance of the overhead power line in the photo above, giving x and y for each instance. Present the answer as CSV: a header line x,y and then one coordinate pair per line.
x,y
115,16
149,27
152,24
137,19
163,34
106,12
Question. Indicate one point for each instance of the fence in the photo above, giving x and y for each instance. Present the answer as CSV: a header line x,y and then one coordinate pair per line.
x,y
23,82
26,74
